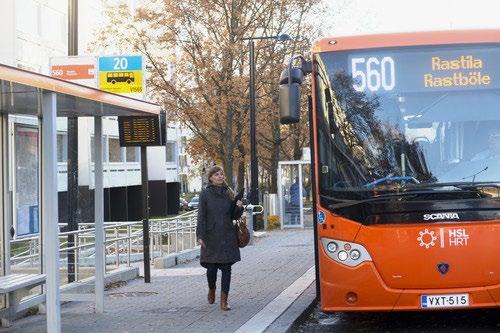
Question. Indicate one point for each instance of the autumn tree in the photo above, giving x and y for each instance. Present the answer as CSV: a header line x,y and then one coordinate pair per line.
x,y
198,68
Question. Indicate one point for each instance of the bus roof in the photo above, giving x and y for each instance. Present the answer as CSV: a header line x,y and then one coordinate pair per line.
x,y
344,43
22,88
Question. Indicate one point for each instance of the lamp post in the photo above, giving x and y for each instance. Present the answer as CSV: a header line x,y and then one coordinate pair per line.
x,y
72,148
254,190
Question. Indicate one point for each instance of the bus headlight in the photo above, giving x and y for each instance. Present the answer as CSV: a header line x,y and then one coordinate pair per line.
x,y
346,253
355,254
332,247
342,255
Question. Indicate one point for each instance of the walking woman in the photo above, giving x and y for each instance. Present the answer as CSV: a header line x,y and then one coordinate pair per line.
x,y
216,235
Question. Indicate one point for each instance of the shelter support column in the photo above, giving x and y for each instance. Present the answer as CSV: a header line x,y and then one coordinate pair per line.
x,y
50,219
99,216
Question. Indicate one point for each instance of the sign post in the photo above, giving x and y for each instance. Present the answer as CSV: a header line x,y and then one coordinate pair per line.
x,y
145,214
142,131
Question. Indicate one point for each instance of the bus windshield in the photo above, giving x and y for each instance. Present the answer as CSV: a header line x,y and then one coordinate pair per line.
x,y
407,118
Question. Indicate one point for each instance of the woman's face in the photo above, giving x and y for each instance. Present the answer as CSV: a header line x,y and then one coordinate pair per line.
x,y
217,178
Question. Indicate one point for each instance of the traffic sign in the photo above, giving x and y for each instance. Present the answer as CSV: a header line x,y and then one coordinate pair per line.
x,y
121,74
79,69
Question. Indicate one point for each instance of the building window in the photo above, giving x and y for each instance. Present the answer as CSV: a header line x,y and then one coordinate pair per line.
x,y
92,153
52,22
132,154
115,151
183,161
184,184
62,148
170,155
27,16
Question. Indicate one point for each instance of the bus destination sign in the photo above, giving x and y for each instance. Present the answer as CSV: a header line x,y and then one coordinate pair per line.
x,y
139,131
424,69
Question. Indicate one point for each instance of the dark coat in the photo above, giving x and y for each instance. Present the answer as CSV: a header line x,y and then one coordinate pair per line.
x,y
215,227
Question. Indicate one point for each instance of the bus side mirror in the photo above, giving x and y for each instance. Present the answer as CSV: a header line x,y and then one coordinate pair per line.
x,y
289,95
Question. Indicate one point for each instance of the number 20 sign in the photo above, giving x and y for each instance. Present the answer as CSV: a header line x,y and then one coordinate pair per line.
x,y
121,74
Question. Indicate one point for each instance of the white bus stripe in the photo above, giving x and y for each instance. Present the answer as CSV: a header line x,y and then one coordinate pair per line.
x,y
441,235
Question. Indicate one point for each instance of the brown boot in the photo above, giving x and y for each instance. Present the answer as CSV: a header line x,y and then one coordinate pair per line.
x,y
223,302
211,296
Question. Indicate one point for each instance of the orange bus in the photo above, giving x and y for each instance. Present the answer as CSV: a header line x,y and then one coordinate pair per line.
x,y
405,142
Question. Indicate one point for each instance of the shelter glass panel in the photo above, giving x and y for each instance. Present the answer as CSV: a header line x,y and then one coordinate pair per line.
x,y
115,151
26,180
132,154
307,209
24,248
291,197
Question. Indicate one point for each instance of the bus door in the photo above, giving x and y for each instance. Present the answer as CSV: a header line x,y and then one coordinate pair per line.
x,y
3,198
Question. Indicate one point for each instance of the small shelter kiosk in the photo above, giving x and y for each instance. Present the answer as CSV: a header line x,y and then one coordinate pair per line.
x,y
294,193
44,98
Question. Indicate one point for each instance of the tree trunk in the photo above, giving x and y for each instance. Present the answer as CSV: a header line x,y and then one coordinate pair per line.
x,y
227,161
275,157
241,167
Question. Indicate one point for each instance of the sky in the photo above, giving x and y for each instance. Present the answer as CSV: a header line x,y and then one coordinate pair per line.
x,y
355,17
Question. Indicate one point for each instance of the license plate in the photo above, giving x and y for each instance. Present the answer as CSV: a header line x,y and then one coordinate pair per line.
x,y
444,301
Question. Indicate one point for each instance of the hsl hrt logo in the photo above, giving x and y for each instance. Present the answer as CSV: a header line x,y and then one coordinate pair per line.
x,y
456,237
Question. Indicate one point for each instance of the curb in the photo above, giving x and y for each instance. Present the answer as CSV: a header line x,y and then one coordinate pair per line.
x,y
303,316
87,285
290,320
174,259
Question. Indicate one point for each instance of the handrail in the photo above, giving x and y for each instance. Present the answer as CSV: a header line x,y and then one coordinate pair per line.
x,y
122,239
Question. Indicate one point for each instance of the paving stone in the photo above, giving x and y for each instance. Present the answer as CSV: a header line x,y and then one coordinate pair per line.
x,y
177,302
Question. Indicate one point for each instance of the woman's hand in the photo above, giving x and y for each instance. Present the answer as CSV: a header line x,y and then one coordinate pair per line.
x,y
202,243
239,203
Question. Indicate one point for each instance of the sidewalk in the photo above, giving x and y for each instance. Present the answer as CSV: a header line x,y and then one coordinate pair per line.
x,y
175,300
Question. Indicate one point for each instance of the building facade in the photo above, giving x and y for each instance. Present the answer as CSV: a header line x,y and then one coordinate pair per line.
x,y
33,32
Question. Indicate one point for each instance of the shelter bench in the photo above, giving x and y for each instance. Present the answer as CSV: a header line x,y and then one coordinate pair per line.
x,y
16,286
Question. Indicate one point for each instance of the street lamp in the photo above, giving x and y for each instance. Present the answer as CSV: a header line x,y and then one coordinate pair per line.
x,y
254,191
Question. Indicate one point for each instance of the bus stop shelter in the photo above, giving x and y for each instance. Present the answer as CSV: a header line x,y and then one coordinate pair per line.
x,y
28,93
294,193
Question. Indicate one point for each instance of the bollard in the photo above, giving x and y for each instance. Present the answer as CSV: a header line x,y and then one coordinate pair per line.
x,y
266,209
249,218
250,211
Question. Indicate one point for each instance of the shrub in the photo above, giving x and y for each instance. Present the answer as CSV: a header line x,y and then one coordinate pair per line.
x,y
273,222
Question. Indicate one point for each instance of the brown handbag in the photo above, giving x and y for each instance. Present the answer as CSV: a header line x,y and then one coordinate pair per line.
x,y
242,233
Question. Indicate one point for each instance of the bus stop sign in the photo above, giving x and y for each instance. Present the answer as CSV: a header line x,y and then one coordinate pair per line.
x,y
121,74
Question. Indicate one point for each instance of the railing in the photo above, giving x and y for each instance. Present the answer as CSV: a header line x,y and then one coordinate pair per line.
x,y
123,244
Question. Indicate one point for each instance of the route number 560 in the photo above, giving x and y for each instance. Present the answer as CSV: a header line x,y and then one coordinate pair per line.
x,y
373,73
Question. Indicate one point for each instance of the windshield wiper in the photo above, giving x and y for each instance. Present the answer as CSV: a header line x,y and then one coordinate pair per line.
x,y
348,203
458,185
474,175
410,193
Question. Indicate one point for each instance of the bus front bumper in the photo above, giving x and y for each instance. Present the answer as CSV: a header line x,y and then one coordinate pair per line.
x,y
361,288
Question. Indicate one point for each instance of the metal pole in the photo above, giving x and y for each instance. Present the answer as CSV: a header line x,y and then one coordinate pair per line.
x,y
72,27
99,217
129,249
145,214
50,212
72,146
254,188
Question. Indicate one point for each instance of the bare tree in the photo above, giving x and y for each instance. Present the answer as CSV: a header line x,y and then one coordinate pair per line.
x,y
208,90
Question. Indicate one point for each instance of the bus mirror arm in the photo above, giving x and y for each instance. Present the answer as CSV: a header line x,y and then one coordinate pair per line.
x,y
289,91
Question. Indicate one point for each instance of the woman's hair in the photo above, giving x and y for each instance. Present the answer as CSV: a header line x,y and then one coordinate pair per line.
x,y
211,172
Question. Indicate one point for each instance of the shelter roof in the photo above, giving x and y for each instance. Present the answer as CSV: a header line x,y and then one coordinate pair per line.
x,y
21,93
